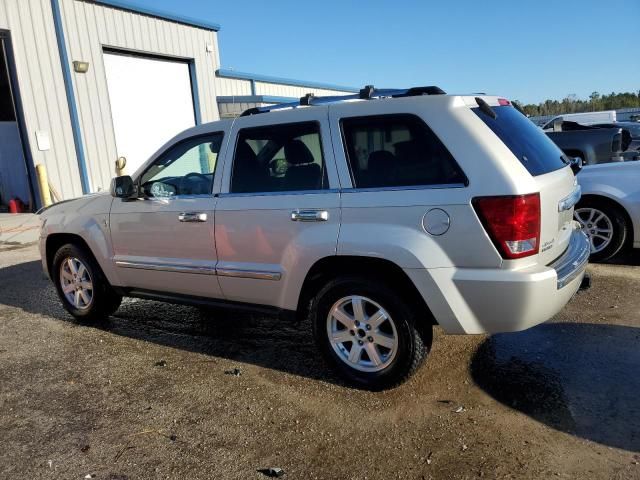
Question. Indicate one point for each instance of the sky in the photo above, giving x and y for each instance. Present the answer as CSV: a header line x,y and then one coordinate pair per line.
x,y
526,50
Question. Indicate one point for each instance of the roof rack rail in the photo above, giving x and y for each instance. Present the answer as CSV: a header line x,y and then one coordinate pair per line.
x,y
369,92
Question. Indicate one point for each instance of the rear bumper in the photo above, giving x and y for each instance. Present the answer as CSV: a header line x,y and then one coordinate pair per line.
x,y
470,301
573,261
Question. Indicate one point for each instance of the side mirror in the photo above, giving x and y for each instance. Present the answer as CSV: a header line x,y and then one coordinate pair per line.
x,y
123,187
576,164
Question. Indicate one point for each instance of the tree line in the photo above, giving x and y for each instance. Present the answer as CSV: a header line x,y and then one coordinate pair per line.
x,y
572,104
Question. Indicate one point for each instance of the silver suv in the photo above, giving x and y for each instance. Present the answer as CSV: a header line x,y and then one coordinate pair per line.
x,y
376,216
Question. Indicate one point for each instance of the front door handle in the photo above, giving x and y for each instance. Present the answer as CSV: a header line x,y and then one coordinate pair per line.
x,y
309,216
192,217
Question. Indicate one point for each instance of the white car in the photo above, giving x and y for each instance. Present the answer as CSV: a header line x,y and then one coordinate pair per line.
x,y
375,215
609,211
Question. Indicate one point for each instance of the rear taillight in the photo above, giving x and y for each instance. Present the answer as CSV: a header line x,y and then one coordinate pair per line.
x,y
512,222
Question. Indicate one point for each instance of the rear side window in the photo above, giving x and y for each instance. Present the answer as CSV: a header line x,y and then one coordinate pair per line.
x,y
527,142
279,158
397,151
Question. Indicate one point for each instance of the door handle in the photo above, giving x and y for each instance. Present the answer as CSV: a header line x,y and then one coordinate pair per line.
x,y
309,216
192,217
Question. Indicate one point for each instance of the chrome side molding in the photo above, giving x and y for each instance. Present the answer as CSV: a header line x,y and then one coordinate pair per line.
x,y
201,270
164,267
255,274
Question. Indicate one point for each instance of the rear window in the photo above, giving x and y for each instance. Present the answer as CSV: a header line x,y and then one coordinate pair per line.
x,y
529,144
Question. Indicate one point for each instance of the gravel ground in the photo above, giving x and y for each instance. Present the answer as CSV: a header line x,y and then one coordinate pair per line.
x,y
153,393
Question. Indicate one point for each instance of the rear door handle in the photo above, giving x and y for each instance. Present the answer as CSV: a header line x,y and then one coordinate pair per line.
x,y
309,216
192,217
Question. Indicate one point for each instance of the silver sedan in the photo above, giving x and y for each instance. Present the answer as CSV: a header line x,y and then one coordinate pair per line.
x,y
609,211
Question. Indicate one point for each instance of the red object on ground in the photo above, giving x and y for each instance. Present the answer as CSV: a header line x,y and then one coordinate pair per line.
x,y
16,206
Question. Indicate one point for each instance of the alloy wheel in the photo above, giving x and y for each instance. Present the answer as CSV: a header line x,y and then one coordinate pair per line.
x,y
597,226
76,283
362,333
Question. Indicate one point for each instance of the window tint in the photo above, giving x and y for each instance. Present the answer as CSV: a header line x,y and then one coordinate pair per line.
x,y
279,158
397,151
187,168
527,142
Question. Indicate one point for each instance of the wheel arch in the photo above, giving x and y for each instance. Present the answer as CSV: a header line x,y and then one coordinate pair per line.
x,y
327,268
56,240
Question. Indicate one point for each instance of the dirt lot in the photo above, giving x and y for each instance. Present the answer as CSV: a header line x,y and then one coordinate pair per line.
x,y
561,400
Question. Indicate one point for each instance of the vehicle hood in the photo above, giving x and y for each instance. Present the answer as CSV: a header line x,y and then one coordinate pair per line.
x,y
86,203
612,168
617,180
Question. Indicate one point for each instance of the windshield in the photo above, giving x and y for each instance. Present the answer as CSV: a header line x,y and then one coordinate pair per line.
x,y
527,142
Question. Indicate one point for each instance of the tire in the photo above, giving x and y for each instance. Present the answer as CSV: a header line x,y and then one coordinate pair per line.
x,y
98,302
597,217
396,364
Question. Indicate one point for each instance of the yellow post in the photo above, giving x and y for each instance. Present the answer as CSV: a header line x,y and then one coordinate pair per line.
x,y
43,183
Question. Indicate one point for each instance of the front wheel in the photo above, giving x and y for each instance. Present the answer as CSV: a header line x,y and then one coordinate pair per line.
x,y
368,334
82,287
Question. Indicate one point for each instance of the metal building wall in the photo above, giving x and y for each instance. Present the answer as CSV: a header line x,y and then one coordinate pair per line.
x,y
283,90
228,87
89,27
238,86
39,72
229,110
232,86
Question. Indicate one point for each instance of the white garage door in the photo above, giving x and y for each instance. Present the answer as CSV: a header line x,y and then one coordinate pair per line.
x,y
151,101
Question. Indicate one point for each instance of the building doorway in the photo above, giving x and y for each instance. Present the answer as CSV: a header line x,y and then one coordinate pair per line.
x,y
151,101
14,174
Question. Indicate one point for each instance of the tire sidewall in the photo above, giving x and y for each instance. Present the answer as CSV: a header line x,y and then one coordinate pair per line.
x,y
409,339
100,297
619,229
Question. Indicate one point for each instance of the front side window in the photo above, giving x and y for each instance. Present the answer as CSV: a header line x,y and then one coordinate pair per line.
x,y
397,151
187,168
279,158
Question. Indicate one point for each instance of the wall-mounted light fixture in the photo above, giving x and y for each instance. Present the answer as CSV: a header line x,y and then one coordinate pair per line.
x,y
80,67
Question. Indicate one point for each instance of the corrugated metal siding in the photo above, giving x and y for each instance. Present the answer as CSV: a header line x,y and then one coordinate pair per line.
x,y
238,86
43,95
234,109
281,90
88,28
233,86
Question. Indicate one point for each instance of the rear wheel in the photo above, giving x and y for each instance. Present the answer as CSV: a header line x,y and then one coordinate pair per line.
x,y
367,334
81,285
606,226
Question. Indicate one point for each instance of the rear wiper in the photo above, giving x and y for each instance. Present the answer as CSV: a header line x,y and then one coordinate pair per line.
x,y
485,108
519,108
